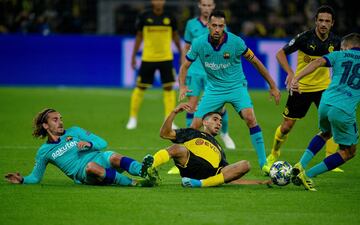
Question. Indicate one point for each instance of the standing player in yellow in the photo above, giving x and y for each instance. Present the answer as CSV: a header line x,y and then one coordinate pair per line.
x,y
311,45
157,28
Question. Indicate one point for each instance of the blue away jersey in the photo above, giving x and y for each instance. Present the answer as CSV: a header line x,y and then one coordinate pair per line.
x,y
223,64
344,89
194,29
65,154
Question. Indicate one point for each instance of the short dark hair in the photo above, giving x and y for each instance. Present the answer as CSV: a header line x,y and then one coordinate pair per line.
x,y
325,9
217,14
209,114
352,39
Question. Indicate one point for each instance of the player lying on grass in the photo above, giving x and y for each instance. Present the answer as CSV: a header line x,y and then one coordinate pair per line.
x,y
78,153
337,111
197,154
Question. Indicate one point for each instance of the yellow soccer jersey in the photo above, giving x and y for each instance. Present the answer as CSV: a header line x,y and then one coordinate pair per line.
x,y
157,36
203,145
309,48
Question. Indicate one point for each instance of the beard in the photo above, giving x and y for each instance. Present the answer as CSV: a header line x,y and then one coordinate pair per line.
x,y
215,41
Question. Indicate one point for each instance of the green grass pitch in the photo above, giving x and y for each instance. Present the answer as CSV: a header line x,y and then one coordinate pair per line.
x,y
57,200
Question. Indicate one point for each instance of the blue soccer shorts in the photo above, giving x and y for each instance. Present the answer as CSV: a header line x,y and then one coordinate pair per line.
x,y
342,125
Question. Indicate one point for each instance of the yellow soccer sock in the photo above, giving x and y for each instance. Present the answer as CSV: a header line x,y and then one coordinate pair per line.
x,y
169,101
213,181
136,100
279,139
161,157
331,147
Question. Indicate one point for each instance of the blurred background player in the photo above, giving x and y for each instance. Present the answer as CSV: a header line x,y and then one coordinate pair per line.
x,y
337,110
197,154
220,53
78,154
158,28
310,45
196,77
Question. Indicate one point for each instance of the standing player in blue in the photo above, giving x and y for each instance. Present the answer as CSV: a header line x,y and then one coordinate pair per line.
x,y
337,110
196,77
220,53
77,153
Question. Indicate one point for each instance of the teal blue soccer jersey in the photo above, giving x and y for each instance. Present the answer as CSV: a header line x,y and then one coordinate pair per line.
x,y
65,154
194,29
223,63
344,89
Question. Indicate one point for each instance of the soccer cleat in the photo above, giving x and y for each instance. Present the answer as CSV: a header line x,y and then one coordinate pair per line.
x,y
143,183
229,143
174,170
153,176
132,123
271,159
296,170
266,169
337,170
192,183
306,181
146,164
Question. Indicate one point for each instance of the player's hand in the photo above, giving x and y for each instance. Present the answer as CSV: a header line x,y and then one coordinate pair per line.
x,y
294,86
275,93
14,178
183,90
288,80
183,106
83,145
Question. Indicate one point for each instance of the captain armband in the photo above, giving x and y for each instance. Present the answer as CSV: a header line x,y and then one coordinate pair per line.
x,y
249,54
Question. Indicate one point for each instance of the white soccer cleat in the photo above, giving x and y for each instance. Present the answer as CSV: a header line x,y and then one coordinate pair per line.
x,y
229,143
132,124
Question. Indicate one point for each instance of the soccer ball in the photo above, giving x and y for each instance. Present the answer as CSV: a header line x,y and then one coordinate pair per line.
x,y
280,173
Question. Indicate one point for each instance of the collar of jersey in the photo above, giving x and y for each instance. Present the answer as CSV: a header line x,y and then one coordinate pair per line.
x,y
221,44
202,24
356,48
55,142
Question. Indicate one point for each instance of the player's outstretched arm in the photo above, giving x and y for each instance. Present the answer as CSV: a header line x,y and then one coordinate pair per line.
x,y
14,178
183,89
166,130
247,182
281,58
307,70
259,66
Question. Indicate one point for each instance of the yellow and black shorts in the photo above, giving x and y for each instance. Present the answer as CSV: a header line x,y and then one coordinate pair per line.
x,y
198,168
147,73
298,104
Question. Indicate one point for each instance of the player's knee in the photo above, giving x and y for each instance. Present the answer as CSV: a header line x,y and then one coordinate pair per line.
x,y
347,152
115,159
91,168
326,135
352,151
250,119
176,151
245,166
